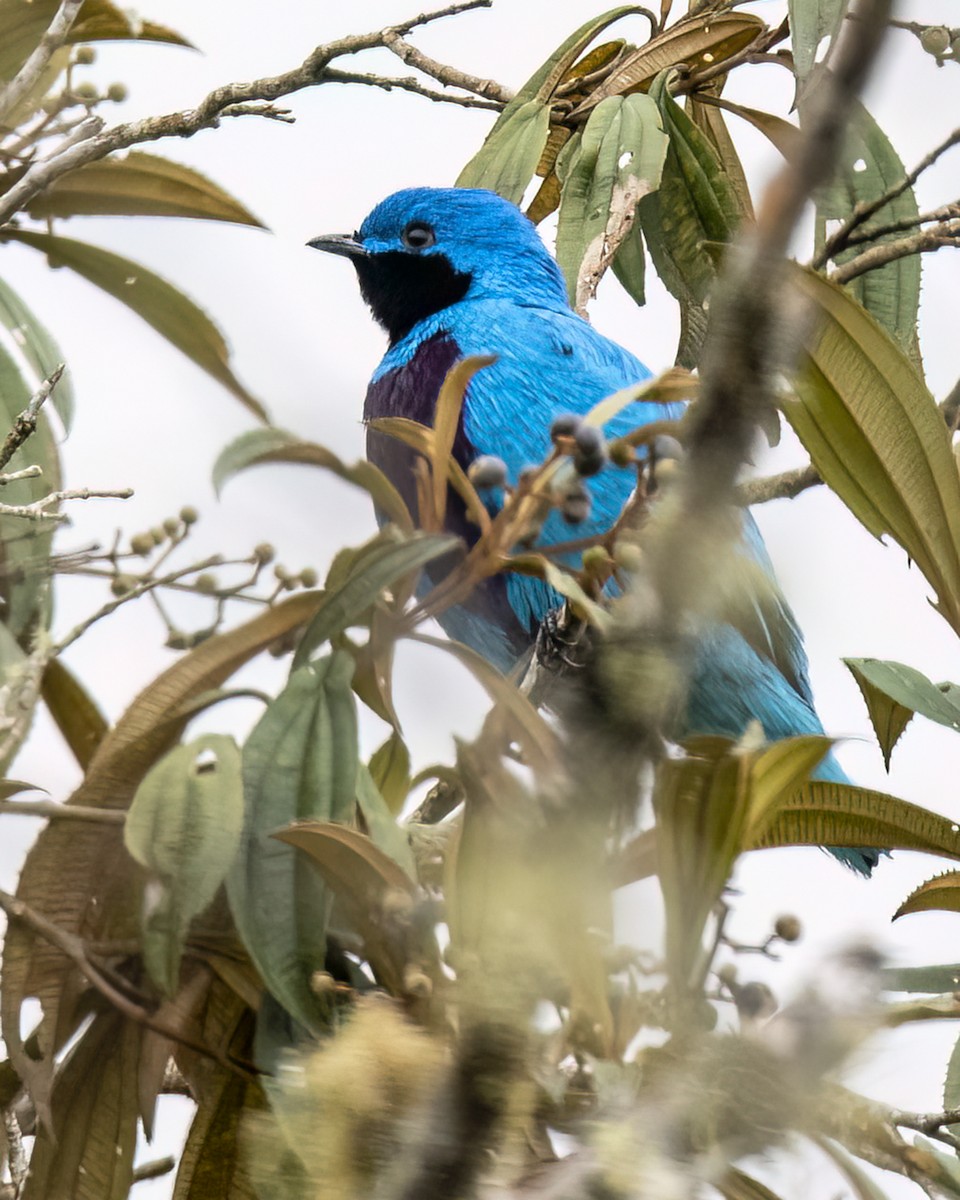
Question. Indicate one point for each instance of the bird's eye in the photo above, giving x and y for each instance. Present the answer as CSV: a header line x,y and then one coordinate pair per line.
x,y
418,236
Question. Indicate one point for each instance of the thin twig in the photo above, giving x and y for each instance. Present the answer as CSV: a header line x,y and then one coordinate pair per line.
x,y
52,811
389,82
867,208
31,472
74,949
146,585
488,89
924,242
26,422
37,511
221,101
784,486
947,212
29,74
155,1169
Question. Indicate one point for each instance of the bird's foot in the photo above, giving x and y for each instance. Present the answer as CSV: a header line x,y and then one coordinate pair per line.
x,y
563,642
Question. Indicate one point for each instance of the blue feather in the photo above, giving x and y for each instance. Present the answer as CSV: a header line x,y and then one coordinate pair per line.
x,y
456,272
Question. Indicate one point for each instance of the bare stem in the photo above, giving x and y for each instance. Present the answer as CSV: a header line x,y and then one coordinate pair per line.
x,y
26,422
922,242
29,74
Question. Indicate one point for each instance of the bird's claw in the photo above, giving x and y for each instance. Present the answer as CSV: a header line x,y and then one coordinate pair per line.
x,y
562,642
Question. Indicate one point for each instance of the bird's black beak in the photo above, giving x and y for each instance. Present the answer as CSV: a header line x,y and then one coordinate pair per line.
x,y
349,245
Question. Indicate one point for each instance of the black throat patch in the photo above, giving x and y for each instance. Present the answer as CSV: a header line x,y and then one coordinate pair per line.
x,y
403,289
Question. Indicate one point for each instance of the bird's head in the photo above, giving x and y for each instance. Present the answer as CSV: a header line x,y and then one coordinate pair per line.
x,y
423,249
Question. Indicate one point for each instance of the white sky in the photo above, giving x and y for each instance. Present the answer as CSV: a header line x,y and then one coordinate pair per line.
x,y
305,344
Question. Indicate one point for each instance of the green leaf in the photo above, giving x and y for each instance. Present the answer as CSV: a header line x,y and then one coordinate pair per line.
x,y
618,159
87,1154
877,437
24,22
159,303
390,772
837,814
27,339
261,446
381,823
362,876
888,718
710,120
506,161
810,22
346,603
74,712
944,978
630,265
511,152
184,827
939,894
299,764
213,1164
737,1185
695,206
77,873
869,167
951,1083
138,185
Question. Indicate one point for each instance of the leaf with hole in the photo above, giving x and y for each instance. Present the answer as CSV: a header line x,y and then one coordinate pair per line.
x,y
617,160
512,151
870,167
184,827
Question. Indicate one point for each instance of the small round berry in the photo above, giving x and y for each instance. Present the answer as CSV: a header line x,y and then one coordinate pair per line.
x,y
117,92
86,93
576,505
122,585
788,928
621,453
189,515
159,535
85,55
727,974
627,555
487,471
665,446
172,526
142,543
280,573
590,450
596,560
565,425
935,39
308,577
264,553
755,1001
206,584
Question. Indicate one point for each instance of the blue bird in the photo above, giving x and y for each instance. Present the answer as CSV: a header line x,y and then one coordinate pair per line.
x,y
454,272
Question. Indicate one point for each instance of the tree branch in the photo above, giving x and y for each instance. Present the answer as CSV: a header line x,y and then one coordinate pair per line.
x,y
74,949
26,422
785,486
868,208
923,242
50,810
231,99
29,74
390,82
488,89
